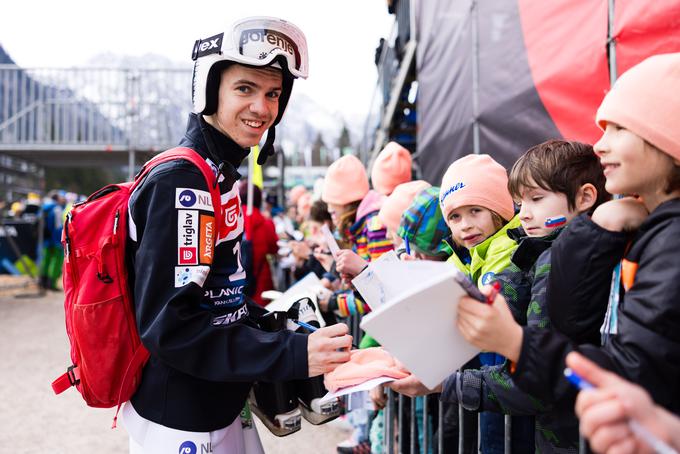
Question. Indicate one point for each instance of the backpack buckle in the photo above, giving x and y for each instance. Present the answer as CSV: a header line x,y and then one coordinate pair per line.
x,y
104,277
73,377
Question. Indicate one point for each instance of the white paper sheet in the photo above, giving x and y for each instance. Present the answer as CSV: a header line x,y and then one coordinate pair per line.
x,y
330,240
417,321
365,386
368,283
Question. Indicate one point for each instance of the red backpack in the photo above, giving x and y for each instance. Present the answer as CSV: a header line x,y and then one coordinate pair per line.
x,y
106,351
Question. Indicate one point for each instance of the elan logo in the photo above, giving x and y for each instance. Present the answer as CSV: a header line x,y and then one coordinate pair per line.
x,y
203,47
212,44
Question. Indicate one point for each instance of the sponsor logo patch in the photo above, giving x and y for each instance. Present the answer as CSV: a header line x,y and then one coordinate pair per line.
x,y
188,447
225,297
207,46
453,188
187,237
207,239
232,224
186,274
188,256
488,277
193,198
232,317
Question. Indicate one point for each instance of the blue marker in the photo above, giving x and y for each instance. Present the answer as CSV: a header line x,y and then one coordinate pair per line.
x,y
306,326
577,381
313,328
407,246
645,435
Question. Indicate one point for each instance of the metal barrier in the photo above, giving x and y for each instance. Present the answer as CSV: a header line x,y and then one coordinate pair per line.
x,y
76,110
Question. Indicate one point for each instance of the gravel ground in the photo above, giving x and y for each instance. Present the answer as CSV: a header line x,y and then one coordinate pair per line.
x,y
34,350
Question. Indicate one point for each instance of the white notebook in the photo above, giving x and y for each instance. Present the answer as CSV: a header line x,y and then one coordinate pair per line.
x,y
418,324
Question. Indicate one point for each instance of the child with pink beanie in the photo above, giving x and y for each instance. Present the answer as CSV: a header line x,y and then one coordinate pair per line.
x,y
391,168
396,204
479,211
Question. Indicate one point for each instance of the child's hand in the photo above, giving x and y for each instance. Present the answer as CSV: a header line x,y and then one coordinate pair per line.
x,y
378,397
349,263
622,215
490,327
412,387
407,257
324,259
301,250
605,411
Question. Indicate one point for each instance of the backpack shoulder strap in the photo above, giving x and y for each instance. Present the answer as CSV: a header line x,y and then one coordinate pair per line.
x,y
192,156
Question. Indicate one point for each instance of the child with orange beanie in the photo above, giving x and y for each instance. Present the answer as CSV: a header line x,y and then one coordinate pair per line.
x,y
396,204
391,168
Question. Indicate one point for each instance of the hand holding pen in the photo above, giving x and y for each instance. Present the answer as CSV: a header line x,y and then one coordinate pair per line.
x,y
491,326
619,416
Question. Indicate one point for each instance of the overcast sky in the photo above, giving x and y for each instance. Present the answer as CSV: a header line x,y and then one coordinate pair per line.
x,y
342,36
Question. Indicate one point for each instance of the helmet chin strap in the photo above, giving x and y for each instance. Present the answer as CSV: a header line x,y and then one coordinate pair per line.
x,y
268,147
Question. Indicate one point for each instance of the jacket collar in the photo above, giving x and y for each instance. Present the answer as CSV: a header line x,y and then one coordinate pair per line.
x,y
530,248
212,144
482,247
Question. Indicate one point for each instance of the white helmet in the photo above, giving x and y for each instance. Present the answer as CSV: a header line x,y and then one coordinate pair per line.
x,y
253,41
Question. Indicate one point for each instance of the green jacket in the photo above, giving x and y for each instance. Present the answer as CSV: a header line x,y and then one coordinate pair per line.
x,y
489,257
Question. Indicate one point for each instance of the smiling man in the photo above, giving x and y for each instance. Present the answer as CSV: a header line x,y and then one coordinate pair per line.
x,y
191,311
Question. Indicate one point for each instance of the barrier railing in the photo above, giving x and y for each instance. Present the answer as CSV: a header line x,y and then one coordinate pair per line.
x,y
92,108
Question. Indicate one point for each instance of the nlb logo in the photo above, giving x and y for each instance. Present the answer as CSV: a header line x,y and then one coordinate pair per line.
x,y
188,447
193,198
187,198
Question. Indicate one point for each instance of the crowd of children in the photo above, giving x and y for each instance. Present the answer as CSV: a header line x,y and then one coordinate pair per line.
x,y
576,272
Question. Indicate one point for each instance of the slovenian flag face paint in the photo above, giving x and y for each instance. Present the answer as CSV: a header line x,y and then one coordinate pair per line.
x,y
555,221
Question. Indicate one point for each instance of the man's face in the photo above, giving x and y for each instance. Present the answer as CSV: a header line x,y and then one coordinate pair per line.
x,y
248,103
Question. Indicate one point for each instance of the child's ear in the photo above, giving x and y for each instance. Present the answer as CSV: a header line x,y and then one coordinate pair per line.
x,y
586,197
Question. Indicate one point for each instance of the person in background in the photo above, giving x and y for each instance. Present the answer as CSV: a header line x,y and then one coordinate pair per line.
x,y
391,168
260,233
52,250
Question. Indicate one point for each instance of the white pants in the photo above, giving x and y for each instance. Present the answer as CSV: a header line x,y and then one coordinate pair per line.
x,y
147,437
